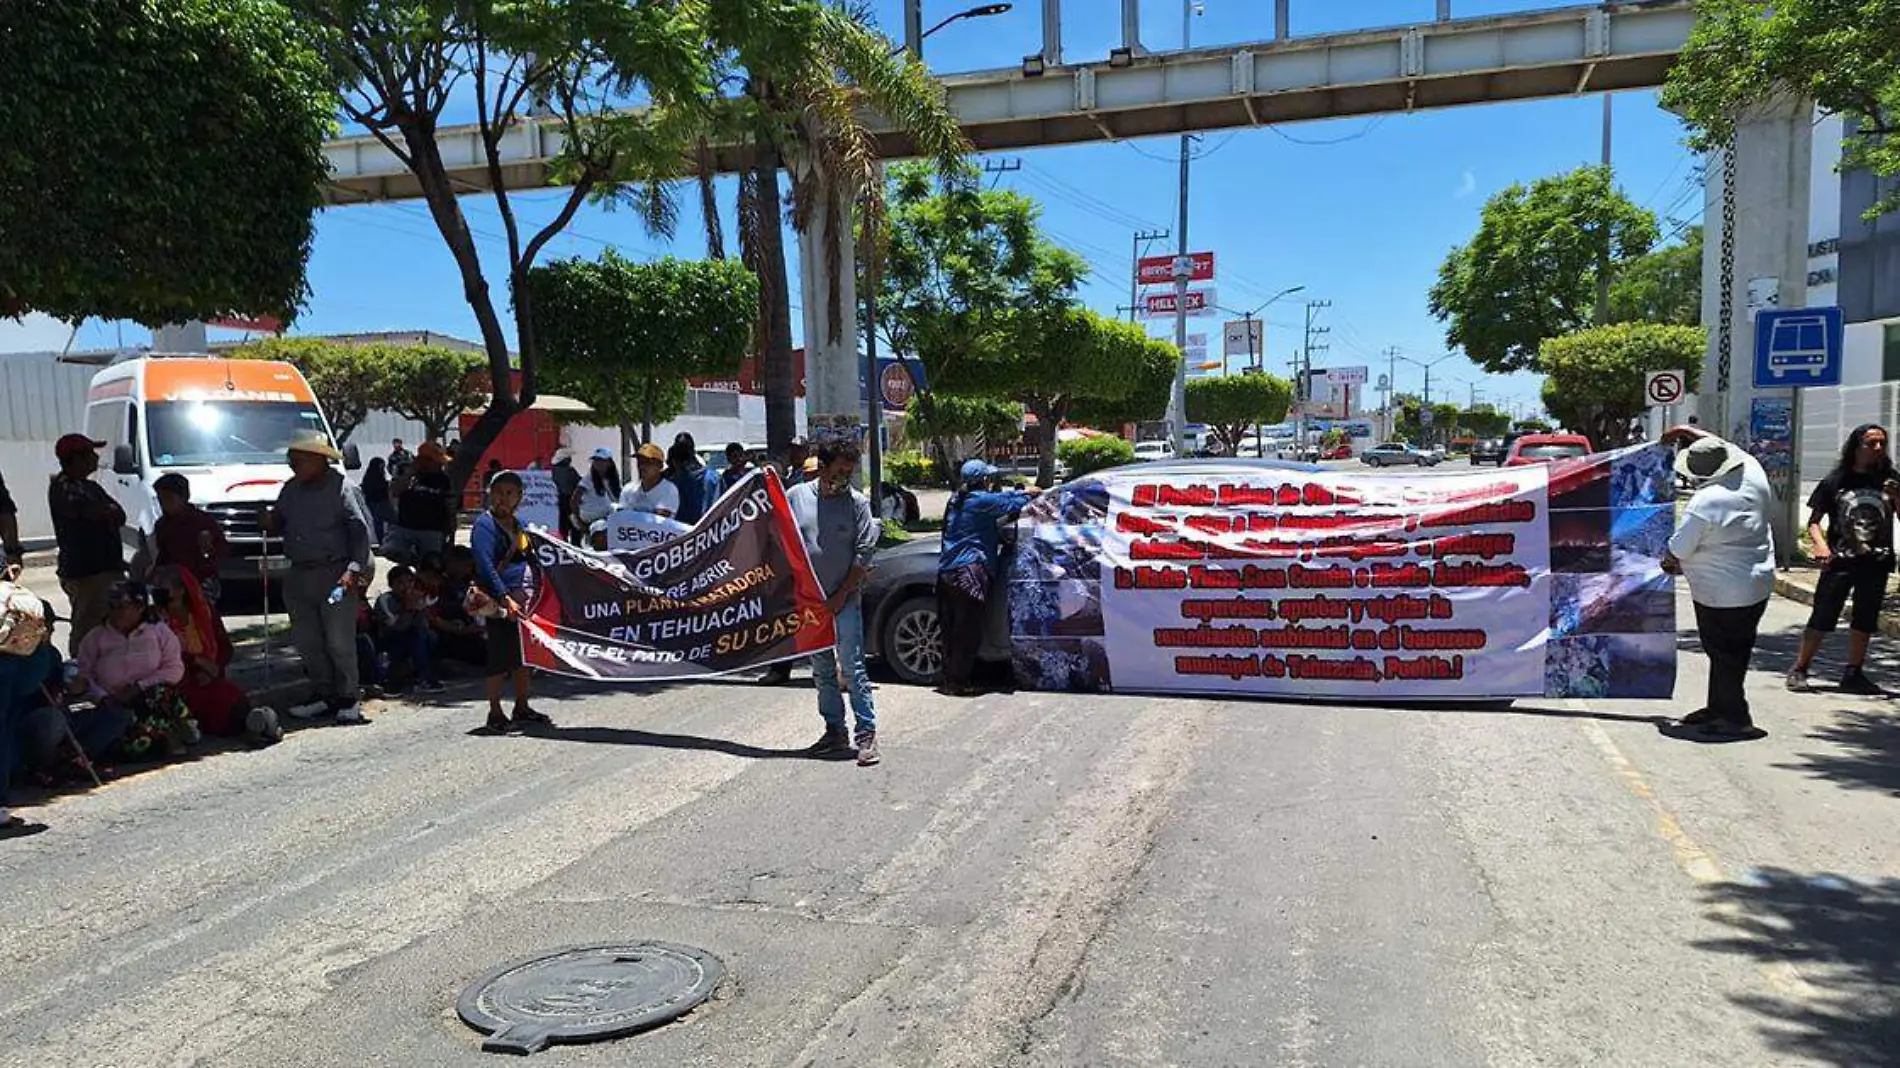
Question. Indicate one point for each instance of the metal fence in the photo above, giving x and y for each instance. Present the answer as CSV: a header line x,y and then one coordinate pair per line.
x,y
1828,413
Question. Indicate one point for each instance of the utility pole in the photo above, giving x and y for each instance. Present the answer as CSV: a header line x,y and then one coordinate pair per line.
x,y
1177,405
1603,254
1000,167
1142,238
1303,389
1391,391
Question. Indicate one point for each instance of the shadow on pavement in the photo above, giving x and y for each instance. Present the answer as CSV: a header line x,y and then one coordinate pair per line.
x,y
653,739
1868,756
1844,938
1775,653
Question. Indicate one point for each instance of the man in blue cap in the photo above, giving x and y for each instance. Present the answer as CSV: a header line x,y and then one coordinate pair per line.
x,y
966,568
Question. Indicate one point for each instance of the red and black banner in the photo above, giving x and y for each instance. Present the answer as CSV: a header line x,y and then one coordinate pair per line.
x,y
736,592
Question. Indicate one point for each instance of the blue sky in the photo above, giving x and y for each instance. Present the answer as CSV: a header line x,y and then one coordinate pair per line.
x,y
1359,211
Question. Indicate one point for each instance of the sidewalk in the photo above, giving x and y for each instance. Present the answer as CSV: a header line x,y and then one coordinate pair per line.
x,y
1797,584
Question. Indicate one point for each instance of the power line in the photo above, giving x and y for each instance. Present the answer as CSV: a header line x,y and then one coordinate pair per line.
x,y
1325,142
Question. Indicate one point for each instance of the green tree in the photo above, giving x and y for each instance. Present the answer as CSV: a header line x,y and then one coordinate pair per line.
x,y
346,379
813,75
1594,381
431,384
403,65
623,337
1085,455
1148,395
1663,286
1232,405
1052,358
1842,54
1485,421
163,160
961,263
1530,271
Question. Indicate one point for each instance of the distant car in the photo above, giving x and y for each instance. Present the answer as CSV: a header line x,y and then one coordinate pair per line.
x,y
1546,448
1395,454
1488,451
1147,451
1303,454
1341,451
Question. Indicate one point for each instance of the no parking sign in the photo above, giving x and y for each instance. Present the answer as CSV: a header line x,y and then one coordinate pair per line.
x,y
1663,388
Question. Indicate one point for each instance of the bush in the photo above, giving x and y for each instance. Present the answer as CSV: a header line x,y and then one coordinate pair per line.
x,y
1084,455
912,468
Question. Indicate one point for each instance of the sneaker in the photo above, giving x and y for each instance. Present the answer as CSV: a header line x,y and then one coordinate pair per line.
x,y
193,733
831,743
1856,682
867,749
261,723
430,686
351,713
776,675
1798,682
309,709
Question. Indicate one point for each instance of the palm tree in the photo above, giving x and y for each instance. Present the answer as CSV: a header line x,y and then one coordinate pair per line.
x,y
809,72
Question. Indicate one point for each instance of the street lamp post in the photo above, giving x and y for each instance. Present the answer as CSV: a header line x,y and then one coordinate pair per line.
x,y
873,398
1427,365
1254,354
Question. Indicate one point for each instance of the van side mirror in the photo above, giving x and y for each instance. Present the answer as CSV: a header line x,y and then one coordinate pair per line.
x,y
352,459
124,461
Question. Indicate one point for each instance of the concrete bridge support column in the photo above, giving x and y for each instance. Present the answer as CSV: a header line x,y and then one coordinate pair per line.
x,y
831,359
1758,193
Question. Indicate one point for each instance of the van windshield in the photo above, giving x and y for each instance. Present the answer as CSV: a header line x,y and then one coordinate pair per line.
x,y
202,433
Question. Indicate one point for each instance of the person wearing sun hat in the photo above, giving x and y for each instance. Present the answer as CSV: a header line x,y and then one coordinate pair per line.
x,y
650,491
967,566
87,524
425,508
327,541
1725,547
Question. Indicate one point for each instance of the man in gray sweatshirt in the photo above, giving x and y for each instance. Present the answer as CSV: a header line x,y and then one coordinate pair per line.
x,y
327,541
840,534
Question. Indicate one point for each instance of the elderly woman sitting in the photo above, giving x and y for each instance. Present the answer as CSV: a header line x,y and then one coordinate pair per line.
x,y
134,662
219,705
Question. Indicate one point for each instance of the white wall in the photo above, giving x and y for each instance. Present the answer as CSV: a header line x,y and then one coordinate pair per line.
x,y
40,399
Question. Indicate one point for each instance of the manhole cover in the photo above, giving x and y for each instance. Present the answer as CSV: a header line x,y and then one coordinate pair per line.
x,y
587,993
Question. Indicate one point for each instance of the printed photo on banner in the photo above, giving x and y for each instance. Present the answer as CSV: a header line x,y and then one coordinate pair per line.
x,y
1256,578
734,591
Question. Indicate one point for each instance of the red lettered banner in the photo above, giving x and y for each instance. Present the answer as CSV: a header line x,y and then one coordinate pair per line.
x,y
736,592
1286,580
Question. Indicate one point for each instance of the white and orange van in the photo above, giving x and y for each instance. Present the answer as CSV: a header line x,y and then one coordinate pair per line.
x,y
223,424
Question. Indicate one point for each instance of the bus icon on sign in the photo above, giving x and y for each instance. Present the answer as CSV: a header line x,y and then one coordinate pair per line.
x,y
1798,344
1798,347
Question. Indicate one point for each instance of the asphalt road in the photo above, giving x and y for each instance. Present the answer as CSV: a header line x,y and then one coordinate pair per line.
x,y
1027,879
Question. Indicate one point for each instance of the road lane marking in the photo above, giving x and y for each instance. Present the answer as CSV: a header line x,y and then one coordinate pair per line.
x,y
1696,862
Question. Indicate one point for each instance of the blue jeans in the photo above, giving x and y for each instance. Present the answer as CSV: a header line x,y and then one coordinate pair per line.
x,y
824,672
415,644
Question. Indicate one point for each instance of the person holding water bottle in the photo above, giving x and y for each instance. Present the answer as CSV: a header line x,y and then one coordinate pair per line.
x,y
327,542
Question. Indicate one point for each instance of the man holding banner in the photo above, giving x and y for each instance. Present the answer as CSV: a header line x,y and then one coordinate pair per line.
x,y
840,535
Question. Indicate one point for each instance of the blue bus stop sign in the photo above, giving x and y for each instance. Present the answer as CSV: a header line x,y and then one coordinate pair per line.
x,y
1798,347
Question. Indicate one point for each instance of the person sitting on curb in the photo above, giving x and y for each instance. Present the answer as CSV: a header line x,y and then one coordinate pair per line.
x,y
134,662
407,639
220,706
27,683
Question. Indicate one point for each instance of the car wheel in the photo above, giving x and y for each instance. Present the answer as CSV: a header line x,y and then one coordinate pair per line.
x,y
913,641
1374,461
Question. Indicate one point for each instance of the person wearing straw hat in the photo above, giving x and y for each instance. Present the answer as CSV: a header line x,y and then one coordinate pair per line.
x,y
1725,547
327,541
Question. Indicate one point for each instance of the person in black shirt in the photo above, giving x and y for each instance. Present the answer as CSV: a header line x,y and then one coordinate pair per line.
x,y
1850,526
87,524
425,508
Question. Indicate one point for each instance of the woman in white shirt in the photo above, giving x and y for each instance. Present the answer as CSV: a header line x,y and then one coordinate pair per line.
x,y
1725,547
651,492
599,491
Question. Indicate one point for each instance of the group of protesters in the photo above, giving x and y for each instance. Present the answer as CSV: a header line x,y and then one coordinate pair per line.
x,y
147,678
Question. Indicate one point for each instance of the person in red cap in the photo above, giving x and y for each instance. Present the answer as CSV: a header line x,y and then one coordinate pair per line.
x,y
87,524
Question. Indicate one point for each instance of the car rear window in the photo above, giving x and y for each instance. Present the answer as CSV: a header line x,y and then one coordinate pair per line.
x,y
1552,452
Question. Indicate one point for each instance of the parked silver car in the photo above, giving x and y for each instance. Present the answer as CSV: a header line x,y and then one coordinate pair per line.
x,y
1395,454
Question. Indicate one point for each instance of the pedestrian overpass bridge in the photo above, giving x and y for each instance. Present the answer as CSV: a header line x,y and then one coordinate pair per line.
x,y
1133,93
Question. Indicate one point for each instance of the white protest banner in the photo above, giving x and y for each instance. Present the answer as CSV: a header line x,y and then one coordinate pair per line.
x,y
1254,578
628,529
540,501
